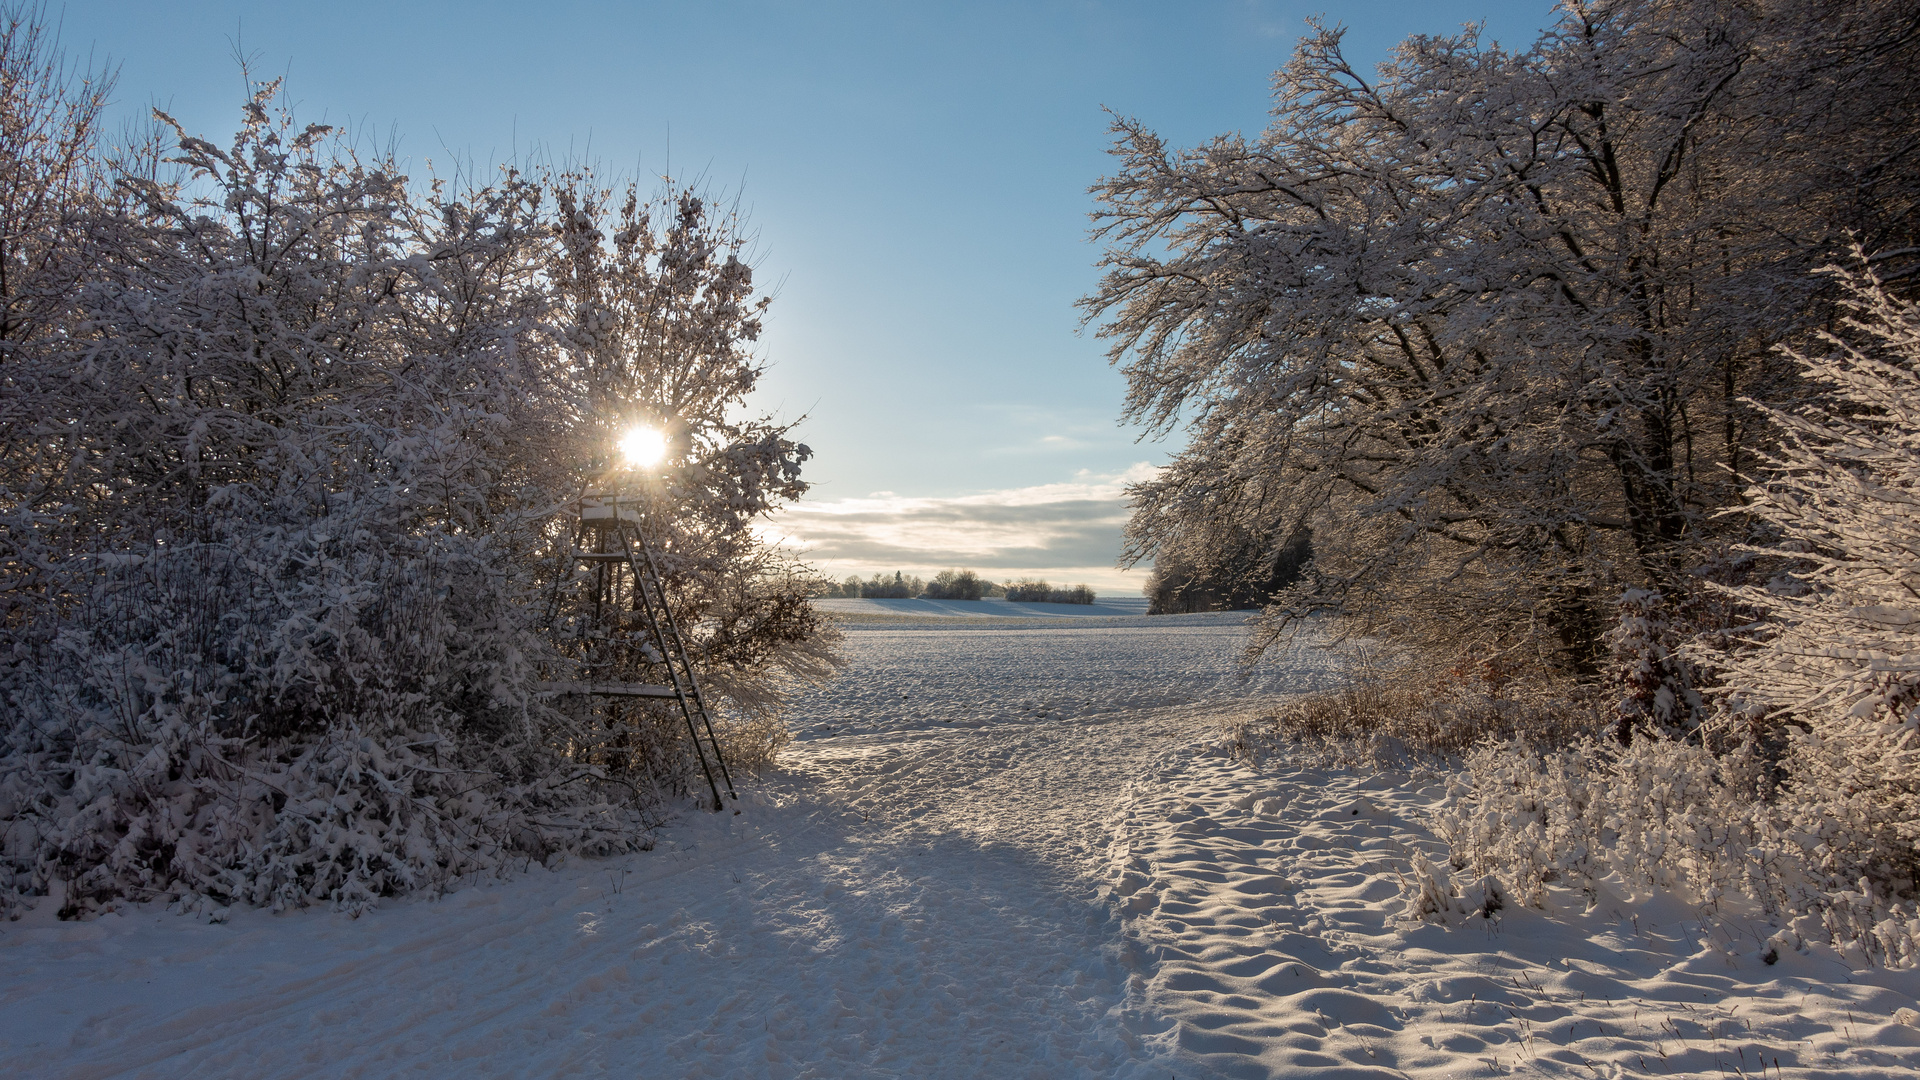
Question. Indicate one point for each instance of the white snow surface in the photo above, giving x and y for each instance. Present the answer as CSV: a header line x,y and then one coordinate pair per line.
x,y
910,668
1104,606
969,890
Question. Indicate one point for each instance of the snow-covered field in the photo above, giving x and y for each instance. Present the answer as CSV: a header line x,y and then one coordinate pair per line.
x,y
870,610
928,663
997,850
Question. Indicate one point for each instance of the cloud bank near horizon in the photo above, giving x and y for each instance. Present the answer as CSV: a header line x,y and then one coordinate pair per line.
x,y
1066,532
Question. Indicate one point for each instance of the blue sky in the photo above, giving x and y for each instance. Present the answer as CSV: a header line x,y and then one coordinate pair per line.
x,y
916,174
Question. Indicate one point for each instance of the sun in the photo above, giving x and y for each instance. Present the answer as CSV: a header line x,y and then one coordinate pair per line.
x,y
643,447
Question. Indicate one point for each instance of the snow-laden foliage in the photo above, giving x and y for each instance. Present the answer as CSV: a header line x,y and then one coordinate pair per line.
x,y
1804,797
1835,665
1487,320
1656,684
283,475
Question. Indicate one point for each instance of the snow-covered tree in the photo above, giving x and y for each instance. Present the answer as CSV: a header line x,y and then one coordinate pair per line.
x,y
1486,321
661,316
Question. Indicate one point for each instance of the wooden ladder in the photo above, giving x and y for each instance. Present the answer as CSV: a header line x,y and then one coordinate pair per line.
x,y
613,520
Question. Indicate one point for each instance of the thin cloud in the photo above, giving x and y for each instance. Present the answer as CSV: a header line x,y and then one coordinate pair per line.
x,y
1069,529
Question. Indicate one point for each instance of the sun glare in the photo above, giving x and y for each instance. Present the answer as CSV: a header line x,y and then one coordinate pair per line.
x,y
642,447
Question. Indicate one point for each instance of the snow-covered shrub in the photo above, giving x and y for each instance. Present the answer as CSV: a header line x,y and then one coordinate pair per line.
x,y
1654,682
1654,812
270,642
244,731
324,711
1433,895
285,553
1837,657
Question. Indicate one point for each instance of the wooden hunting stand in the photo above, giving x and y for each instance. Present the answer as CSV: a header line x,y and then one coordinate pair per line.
x,y
612,536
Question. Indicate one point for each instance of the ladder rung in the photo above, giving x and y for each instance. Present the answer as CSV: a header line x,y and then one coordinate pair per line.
x,y
603,516
585,689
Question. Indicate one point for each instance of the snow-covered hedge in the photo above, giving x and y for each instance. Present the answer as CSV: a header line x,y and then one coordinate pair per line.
x,y
286,447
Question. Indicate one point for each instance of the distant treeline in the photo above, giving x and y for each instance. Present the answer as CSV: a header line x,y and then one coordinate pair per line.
x,y
952,585
1039,592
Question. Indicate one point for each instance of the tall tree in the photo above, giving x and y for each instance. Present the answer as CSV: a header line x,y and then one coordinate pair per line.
x,y
1486,320
661,318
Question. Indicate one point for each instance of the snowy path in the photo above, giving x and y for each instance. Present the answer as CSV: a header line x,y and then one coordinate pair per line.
x,y
996,851
792,940
795,939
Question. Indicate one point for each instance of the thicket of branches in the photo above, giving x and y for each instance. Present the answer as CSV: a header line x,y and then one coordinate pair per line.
x,y
1199,569
286,441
